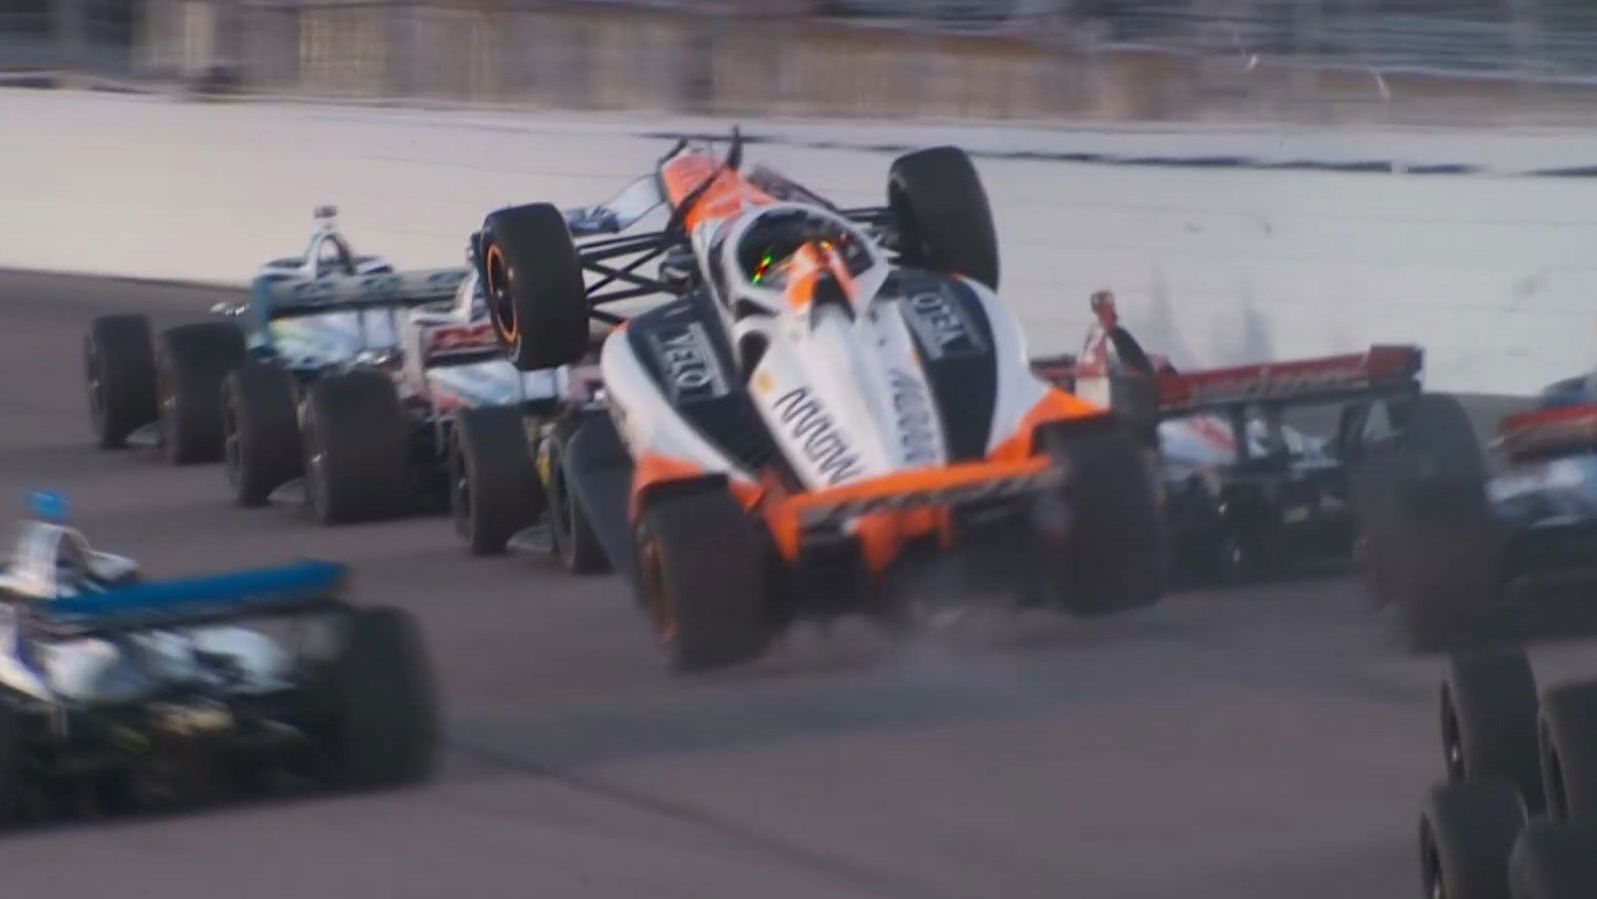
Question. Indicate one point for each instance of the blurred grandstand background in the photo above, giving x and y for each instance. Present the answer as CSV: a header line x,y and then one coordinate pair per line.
x,y
1395,61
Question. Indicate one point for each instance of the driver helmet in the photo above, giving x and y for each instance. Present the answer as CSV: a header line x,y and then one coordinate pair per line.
x,y
793,250
1103,306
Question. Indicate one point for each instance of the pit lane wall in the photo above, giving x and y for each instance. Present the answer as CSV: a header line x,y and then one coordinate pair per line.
x,y
1224,245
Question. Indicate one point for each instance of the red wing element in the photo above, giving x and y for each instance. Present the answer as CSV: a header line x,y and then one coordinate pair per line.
x,y
1548,432
1325,379
445,341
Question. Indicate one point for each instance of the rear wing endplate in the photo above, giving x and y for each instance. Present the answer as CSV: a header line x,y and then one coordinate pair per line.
x,y
279,297
289,590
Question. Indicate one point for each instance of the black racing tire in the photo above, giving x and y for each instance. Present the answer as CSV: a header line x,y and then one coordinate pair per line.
x,y
1436,544
1488,705
942,216
11,766
385,722
356,440
119,368
494,491
1568,739
261,448
1553,860
532,277
1466,834
702,569
1113,552
190,363
573,541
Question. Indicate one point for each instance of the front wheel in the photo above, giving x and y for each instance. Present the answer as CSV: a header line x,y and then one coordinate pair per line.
x,y
494,489
356,449
1466,834
532,277
260,432
574,541
190,363
1107,547
703,573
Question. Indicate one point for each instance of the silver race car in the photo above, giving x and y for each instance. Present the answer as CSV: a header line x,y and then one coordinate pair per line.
x,y
119,691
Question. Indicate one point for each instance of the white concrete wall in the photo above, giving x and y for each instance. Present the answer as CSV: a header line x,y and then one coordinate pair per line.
x,y
1492,273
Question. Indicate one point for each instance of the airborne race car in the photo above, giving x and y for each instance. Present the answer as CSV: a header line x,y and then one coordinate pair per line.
x,y
832,413
1245,495
119,693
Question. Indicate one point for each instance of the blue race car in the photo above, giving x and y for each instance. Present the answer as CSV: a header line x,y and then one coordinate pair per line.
x,y
125,693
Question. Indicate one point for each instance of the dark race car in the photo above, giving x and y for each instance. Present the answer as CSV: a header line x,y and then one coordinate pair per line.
x,y
118,692
1245,494
1476,545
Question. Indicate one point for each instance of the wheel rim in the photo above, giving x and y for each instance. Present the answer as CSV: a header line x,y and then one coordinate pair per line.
x,y
92,371
1435,888
1452,742
501,308
560,520
315,462
460,493
652,571
1557,808
167,403
231,460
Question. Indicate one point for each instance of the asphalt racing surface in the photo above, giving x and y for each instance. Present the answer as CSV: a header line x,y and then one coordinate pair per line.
x,y
1266,742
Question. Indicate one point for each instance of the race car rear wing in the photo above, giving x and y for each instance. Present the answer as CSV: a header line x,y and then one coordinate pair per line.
x,y
276,297
1547,432
302,588
1378,372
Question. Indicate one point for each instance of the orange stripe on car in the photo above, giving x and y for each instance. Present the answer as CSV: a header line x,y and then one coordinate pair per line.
x,y
728,195
652,469
1056,405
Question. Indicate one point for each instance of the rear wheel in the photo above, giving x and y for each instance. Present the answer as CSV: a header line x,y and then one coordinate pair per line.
x,y
260,432
532,277
356,448
574,542
1107,547
943,219
384,729
190,363
1430,529
702,570
1569,750
119,366
1466,834
494,489
1488,715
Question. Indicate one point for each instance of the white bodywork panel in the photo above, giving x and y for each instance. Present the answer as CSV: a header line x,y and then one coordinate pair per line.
x,y
53,561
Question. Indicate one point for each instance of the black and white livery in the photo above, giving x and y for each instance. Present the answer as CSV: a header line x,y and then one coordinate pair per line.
x,y
118,692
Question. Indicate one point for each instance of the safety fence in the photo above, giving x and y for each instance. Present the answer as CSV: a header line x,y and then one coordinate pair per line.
x,y
1521,61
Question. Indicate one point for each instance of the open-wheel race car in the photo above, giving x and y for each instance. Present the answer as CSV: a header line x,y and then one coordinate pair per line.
x,y
164,388
1476,545
339,375
830,412
118,692
1245,494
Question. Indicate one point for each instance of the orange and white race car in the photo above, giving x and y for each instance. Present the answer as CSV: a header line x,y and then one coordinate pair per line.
x,y
831,412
